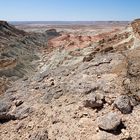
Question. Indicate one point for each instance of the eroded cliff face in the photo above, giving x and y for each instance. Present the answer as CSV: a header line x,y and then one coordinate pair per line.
x,y
117,39
83,88
136,27
19,50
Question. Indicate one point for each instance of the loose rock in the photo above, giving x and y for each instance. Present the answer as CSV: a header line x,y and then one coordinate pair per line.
x,y
123,104
93,102
22,112
4,109
109,121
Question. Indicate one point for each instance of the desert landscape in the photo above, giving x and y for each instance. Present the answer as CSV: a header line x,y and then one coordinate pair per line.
x,y
70,80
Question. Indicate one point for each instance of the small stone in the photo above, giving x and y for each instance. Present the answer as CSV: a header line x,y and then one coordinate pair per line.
x,y
134,101
138,96
18,102
5,132
22,112
97,129
36,87
40,77
47,98
19,126
134,67
123,104
87,58
93,102
25,78
108,100
109,121
58,95
127,81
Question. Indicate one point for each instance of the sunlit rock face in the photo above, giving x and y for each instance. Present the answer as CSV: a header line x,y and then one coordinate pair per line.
x,y
136,27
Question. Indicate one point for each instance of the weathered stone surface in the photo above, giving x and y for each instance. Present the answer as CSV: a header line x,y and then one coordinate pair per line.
x,y
123,104
103,135
87,58
22,112
135,25
109,121
39,135
134,67
4,109
3,85
39,77
47,98
94,101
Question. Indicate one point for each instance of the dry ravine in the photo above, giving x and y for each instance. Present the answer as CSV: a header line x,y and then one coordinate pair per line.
x,y
62,86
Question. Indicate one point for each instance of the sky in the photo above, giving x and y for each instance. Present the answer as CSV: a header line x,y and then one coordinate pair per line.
x,y
69,10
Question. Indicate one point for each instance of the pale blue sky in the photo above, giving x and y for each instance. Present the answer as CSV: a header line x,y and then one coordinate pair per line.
x,y
67,10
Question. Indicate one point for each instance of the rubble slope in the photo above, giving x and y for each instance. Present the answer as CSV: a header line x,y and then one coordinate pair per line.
x,y
78,93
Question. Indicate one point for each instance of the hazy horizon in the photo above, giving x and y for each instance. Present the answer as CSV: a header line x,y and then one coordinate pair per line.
x,y
68,22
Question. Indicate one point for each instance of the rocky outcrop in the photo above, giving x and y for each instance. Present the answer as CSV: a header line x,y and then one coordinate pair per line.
x,y
136,27
8,31
3,84
72,41
19,50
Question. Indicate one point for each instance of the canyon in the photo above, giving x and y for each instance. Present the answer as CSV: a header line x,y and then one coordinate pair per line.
x,y
70,82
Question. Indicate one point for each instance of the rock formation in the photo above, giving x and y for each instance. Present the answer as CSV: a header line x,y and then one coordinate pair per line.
x,y
19,50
